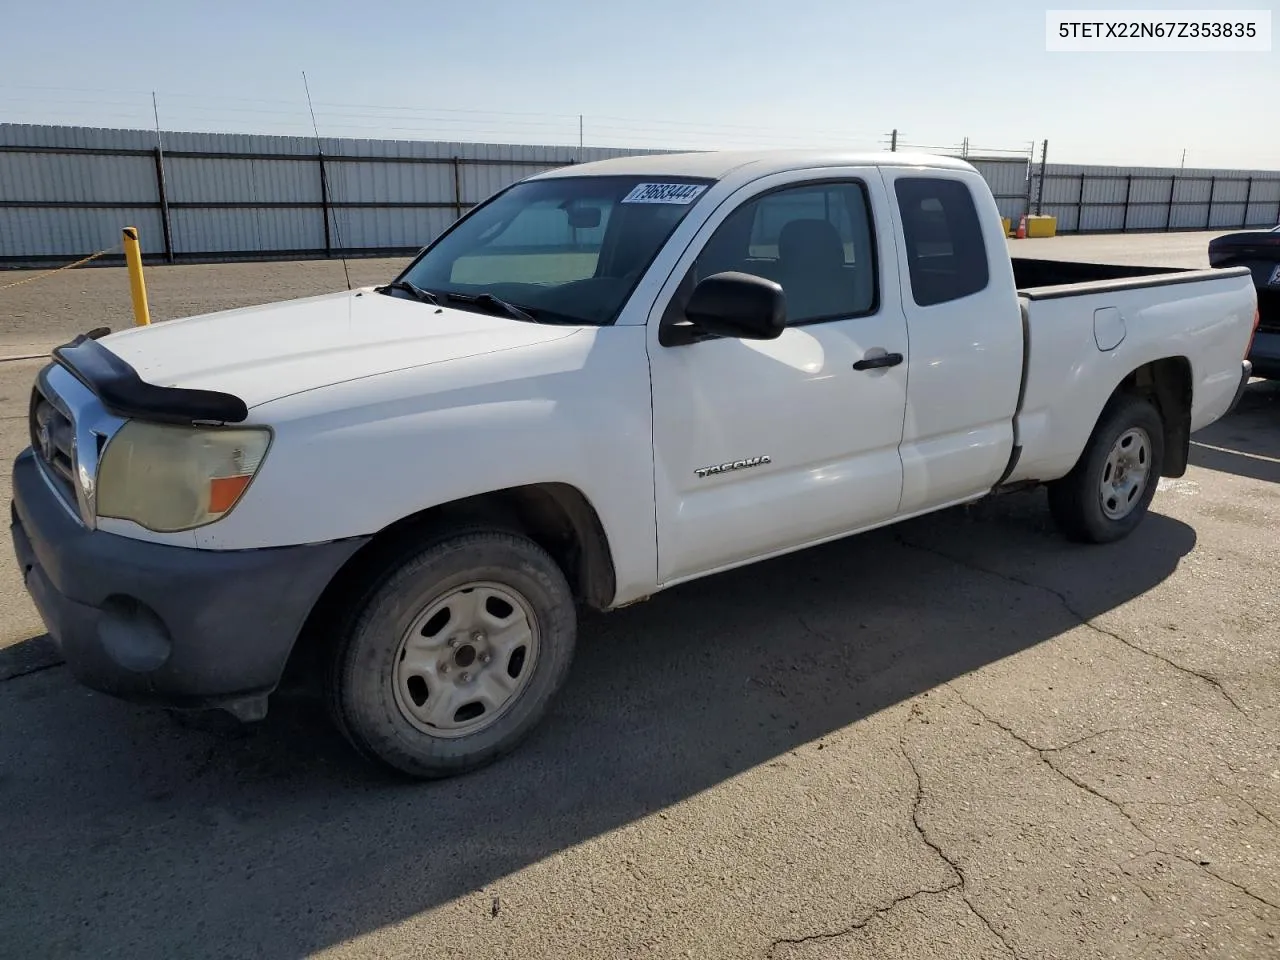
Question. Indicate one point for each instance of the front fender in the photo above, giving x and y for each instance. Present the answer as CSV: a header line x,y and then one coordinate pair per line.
x,y
352,459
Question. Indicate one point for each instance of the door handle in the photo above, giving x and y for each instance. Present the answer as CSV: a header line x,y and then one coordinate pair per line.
x,y
875,363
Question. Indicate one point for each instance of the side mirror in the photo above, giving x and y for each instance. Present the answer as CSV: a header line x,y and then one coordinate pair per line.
x,y
738,305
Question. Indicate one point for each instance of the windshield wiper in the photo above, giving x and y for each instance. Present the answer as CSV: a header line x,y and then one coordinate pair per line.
x,y
489,300
411,288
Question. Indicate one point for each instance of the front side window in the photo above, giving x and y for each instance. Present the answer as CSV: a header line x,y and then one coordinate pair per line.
x,y
567,250
815,241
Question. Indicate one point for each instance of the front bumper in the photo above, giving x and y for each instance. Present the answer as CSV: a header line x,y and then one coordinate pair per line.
x,y
158,624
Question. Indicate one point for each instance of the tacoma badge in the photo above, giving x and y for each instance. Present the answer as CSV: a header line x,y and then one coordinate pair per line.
x,y
703,472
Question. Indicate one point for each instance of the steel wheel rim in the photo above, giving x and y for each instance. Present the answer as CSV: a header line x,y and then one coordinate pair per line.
x,y
465,659
1125,474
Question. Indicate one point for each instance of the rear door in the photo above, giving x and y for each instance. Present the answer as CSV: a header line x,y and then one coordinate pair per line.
x,y
765,446
966,335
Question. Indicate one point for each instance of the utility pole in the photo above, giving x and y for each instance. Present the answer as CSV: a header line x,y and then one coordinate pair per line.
x,y
964,148
893,141
579,137
1044,161
1183,164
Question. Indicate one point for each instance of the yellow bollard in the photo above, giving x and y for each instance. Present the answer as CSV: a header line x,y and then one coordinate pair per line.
x,y
137,286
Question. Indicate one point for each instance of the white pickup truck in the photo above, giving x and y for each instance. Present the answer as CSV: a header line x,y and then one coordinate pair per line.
x,y
603,381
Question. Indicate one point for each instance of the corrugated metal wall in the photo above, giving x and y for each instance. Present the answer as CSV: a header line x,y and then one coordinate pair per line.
x,y
64,205
65,192
1007,178
1093,199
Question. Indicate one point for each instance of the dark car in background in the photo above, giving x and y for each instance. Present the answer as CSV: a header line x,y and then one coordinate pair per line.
x,y
1259,250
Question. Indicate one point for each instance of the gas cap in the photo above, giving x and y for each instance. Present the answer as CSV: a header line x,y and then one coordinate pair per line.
x,y
1108,328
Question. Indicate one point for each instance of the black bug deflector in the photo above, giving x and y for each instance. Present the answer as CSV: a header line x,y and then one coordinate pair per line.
x,y
126,394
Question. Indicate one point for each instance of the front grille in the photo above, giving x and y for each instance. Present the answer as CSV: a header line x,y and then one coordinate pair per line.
x,y
52,439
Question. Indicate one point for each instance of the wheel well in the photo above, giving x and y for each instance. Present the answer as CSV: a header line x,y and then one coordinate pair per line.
x,y
556,516
1167,384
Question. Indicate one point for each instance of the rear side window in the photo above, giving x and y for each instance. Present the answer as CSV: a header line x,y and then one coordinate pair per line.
x,y
946,257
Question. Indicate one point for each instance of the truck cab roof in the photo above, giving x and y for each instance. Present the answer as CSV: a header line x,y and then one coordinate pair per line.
x,y
716,165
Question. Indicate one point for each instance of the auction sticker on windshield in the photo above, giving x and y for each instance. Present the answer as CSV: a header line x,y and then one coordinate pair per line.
x,y
664,193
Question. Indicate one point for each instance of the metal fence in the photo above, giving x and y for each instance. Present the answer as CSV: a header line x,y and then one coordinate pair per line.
x,y
65,192
1116,199
1008,179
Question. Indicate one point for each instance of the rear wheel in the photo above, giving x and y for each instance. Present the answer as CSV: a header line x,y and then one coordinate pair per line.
x,y
1107,493
456,655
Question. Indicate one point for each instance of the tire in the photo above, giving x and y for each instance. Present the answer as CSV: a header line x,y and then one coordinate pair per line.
x,y
1128,440
405,683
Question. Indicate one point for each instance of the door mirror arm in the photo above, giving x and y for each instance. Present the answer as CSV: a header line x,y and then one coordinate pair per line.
x,y
681,333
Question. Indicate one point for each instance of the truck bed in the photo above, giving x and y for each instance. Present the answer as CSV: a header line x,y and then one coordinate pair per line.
x,y
1088,325
1031,273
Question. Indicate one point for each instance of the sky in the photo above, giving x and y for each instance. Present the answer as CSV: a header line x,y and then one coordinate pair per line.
x,y
696,74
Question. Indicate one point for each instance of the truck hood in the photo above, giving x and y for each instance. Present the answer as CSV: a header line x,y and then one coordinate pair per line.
x,y
267,352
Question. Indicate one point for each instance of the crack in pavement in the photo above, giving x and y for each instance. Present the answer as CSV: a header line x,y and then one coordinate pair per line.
x,y
958,883
1043,754
1226,797
1080,740
1135,882
1267,817
962,882
859,924
1084,621
38,668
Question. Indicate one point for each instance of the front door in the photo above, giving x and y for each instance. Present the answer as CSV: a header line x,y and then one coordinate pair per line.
x,y
765,446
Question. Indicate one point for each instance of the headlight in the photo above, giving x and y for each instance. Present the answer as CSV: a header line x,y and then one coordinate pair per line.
x,y
169,478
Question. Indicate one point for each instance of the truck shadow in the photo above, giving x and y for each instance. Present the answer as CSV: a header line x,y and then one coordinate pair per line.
x,y
125,833
1247,443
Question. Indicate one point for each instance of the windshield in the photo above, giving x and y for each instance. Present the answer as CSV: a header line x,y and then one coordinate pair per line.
x,y
564,250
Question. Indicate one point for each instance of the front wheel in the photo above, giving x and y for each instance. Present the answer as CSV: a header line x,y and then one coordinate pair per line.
x,y
456,655
1107,493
